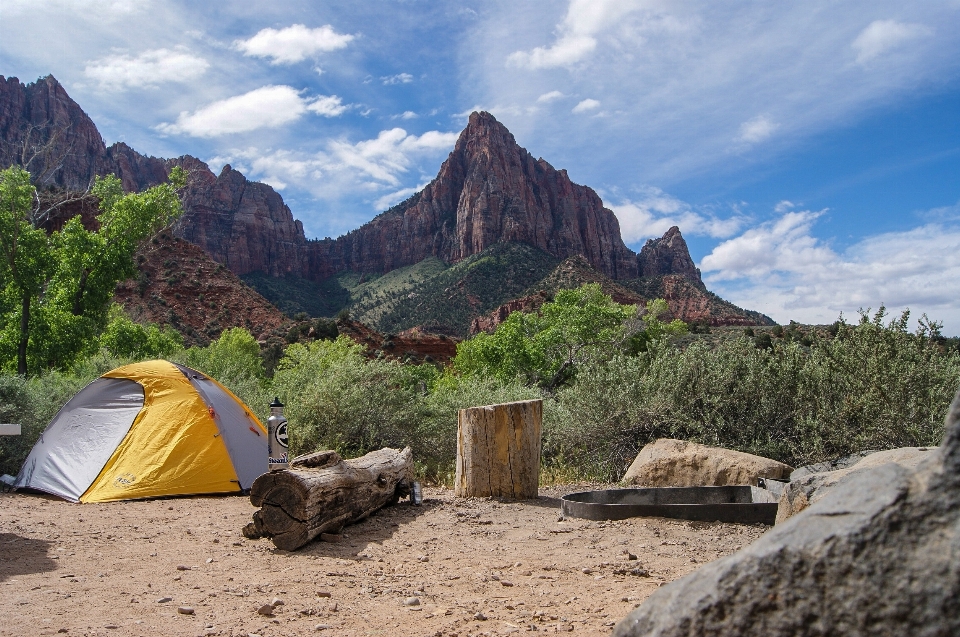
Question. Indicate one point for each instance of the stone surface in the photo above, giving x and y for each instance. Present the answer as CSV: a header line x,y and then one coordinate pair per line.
x,y
678,463
877,556
667,255
830,465
806,489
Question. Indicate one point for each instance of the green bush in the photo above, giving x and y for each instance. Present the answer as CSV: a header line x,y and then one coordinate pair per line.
x,y
337,399
871,387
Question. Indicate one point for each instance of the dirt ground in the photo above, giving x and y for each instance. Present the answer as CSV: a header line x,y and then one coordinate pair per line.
x,y
475,567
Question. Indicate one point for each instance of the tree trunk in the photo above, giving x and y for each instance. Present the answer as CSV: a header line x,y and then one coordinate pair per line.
x,y
320,493
498,450
24,335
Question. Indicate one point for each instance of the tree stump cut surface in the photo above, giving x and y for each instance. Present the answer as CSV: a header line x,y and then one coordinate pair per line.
x,y
322,493
498,450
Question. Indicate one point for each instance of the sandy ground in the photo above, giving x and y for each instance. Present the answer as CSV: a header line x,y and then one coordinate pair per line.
x,y
476,567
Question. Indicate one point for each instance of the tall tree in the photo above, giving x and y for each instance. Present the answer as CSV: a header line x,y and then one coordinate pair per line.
x,y
57,287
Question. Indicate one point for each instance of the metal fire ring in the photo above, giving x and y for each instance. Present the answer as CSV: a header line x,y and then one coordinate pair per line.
x,y
705,504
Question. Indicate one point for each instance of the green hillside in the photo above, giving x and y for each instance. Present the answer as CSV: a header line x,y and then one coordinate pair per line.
x,y
449,300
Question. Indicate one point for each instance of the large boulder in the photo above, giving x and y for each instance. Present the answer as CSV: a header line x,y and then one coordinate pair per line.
x,y
678,463
879,555
806,489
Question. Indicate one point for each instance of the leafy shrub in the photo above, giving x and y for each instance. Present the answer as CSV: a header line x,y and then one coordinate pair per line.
x,y
874,386
336,399
124,338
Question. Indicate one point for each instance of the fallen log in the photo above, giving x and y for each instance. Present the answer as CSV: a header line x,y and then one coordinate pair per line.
x,y
322,493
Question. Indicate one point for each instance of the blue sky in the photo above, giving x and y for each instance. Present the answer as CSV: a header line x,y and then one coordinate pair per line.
x,y
809,151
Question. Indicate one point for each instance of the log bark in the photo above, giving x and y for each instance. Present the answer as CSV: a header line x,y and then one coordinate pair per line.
x,y
322,493
498,450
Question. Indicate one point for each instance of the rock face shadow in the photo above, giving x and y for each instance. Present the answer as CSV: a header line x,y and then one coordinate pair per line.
x,y
24,556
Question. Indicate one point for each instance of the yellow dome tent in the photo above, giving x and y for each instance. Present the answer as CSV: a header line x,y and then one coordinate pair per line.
x,y
146,430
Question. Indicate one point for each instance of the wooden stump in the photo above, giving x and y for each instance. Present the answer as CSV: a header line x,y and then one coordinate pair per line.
x,y
498,450
321,493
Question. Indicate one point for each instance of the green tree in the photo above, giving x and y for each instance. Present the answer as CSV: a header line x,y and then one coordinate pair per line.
x,y
546,348
57,287
125,338
650,327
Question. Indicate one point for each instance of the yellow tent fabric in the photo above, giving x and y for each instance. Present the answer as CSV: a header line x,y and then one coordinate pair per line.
x,y
173,446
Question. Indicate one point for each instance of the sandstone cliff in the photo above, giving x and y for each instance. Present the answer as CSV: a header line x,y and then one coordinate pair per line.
x,y
489,190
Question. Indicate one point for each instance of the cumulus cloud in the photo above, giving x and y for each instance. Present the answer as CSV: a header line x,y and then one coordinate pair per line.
x,y
327,105
147,70
586,105
400,78
293,44
577,34
654,212
376,166
881,36
266,107
757,129
549,97
780,268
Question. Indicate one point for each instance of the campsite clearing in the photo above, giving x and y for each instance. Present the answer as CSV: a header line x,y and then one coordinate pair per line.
x,y
450,567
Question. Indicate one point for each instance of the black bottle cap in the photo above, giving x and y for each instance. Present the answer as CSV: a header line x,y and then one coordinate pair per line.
x,y
276,402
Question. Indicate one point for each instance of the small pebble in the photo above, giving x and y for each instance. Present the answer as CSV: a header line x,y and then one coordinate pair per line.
x,y
411,601
209,560
182,567
324,594
423,558
586,571
631,556
185,610
164,600
322,627
480,617
276,602
504,582
111,626
266,610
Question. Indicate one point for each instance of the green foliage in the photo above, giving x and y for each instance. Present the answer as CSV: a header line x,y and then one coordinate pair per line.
x,y
336,399
124,338
874,386
652,329
58,287
545,349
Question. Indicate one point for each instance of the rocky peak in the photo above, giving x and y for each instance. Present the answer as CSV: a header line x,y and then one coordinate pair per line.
x,y
667,255
489,190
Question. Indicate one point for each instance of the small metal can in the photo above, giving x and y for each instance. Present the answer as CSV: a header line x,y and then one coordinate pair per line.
x,y
276,437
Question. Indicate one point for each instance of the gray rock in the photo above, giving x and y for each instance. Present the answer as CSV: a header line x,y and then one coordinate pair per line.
x,y
830,465
678,463
878,555
804,491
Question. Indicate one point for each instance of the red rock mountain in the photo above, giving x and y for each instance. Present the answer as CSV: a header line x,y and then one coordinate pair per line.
x,y
488,190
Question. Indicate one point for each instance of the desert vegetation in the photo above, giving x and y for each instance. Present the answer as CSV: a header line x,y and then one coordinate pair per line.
x,y
613,378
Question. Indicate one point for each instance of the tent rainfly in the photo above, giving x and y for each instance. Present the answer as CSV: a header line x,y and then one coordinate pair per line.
x,y
147,430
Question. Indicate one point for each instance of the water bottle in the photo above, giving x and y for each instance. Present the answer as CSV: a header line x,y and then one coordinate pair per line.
x,y
276,437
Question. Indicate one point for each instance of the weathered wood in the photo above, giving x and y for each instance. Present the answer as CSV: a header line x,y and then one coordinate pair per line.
x,y
300,503
498,450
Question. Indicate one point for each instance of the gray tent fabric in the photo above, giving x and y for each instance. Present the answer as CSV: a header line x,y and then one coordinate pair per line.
x,y
81,438
244,441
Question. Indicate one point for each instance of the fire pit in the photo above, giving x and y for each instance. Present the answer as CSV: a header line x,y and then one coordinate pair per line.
x,y
744,505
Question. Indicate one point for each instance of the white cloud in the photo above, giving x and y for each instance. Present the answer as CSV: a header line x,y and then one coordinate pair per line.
x,y
577,34
327,105
293,44
406,115
376,166
655,212
881,36
781,269
586,105
147,70
401,78
757,129
393,198
265,107
549,97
